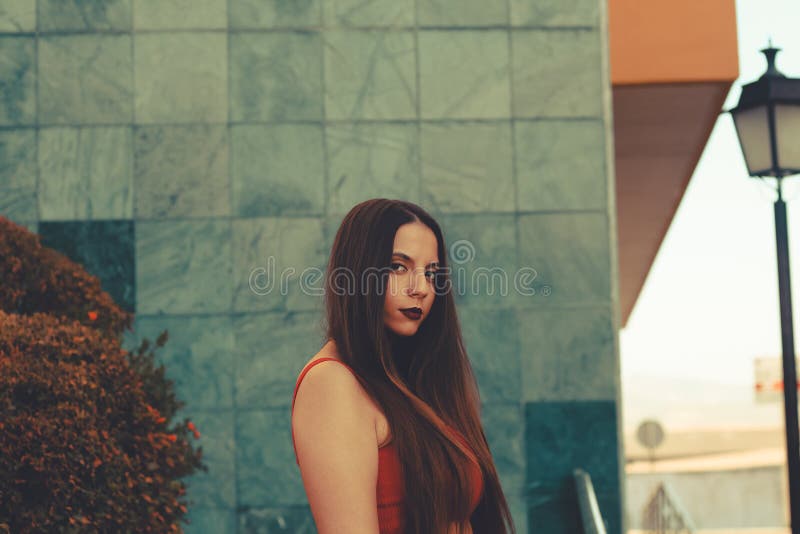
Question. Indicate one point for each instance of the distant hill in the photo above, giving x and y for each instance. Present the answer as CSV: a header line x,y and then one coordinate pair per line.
x,y
699,417
686,403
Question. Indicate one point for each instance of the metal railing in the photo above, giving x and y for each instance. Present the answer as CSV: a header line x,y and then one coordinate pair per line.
x,y
664,513
591,518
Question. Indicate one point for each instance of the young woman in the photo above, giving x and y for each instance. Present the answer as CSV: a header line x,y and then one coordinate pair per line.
x,y
386,420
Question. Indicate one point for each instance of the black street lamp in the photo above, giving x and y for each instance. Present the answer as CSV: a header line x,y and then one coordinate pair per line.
x,y
767,120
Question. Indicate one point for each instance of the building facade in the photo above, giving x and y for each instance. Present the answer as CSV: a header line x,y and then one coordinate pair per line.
x,y
175,148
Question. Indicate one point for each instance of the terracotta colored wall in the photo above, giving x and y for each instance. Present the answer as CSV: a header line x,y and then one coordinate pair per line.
x,y
677,41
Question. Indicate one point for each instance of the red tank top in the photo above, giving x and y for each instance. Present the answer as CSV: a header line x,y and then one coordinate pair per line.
x,y
390,488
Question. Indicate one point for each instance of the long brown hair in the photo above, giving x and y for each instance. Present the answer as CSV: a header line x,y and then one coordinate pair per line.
x,y
424,383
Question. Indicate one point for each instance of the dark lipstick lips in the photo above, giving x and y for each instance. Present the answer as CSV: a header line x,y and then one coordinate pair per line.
x,y
412,313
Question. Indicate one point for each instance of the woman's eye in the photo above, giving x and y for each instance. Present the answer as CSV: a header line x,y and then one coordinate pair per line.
x,y
429,274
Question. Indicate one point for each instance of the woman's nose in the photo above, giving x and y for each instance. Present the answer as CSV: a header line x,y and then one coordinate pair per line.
x,y
419,284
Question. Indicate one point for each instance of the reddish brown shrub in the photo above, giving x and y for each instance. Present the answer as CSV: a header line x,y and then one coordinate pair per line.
x,y
37,279
86,438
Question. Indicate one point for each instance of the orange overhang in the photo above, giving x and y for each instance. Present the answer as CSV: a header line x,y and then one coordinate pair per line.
x,y
672,66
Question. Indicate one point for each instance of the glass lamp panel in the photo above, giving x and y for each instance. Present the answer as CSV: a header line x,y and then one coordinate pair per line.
x,y
787,129
753,131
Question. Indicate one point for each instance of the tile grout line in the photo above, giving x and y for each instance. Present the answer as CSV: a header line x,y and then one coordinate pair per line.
x,y
306,29
344,122
418,104
323,84
316,217
232,257
310,216
512,125
133,180
133,130
37,132
515,178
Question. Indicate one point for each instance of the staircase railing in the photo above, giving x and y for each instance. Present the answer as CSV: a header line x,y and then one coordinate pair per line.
x,y
591,518
664,513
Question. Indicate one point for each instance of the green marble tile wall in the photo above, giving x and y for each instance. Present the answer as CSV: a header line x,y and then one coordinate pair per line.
x,y
199,140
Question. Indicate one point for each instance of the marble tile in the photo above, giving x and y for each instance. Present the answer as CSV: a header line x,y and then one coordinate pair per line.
x,y
85,79
557,73
464,74
330,225
278,264
18,16
562,436
180,14
482,256
267,474
276,76
211,521
104,248
271,350
370,161
18,175
554,12
504,428
181,171
198,356
560,165
181,77
216,487
556,511
370,75
183,266
294,519
85,173
18,204
467,167
568,354
611,505
263,14
491,337
462,13
355,13
18,159
564,259
519,514
17,80
277,170
80,15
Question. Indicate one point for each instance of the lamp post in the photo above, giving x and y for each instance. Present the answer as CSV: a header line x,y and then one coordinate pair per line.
x,y
767,120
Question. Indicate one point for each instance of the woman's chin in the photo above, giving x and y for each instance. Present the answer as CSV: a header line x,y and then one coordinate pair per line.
x,y
404,330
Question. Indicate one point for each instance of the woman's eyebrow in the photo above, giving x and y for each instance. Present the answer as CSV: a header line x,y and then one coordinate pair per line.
x,y
408,258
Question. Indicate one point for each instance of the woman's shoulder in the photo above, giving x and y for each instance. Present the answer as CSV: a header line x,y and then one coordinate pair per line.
x,y
328,350
324,356
329,392
332,376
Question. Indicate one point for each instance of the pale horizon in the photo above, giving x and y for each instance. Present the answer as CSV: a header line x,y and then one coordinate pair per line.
x,y
709,305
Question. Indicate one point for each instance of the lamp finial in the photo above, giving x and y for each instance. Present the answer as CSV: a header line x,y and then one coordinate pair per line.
x,y
770,52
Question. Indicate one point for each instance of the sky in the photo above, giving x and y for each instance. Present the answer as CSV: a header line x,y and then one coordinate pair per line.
x,y
710,305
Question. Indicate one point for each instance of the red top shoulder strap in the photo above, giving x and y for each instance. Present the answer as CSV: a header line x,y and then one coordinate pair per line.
x,y
308,368
297,385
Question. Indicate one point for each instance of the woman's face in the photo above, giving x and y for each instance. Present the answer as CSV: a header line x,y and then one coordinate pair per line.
x,y
410,285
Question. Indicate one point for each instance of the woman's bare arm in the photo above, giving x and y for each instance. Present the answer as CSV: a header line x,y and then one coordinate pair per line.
x,y
334,432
